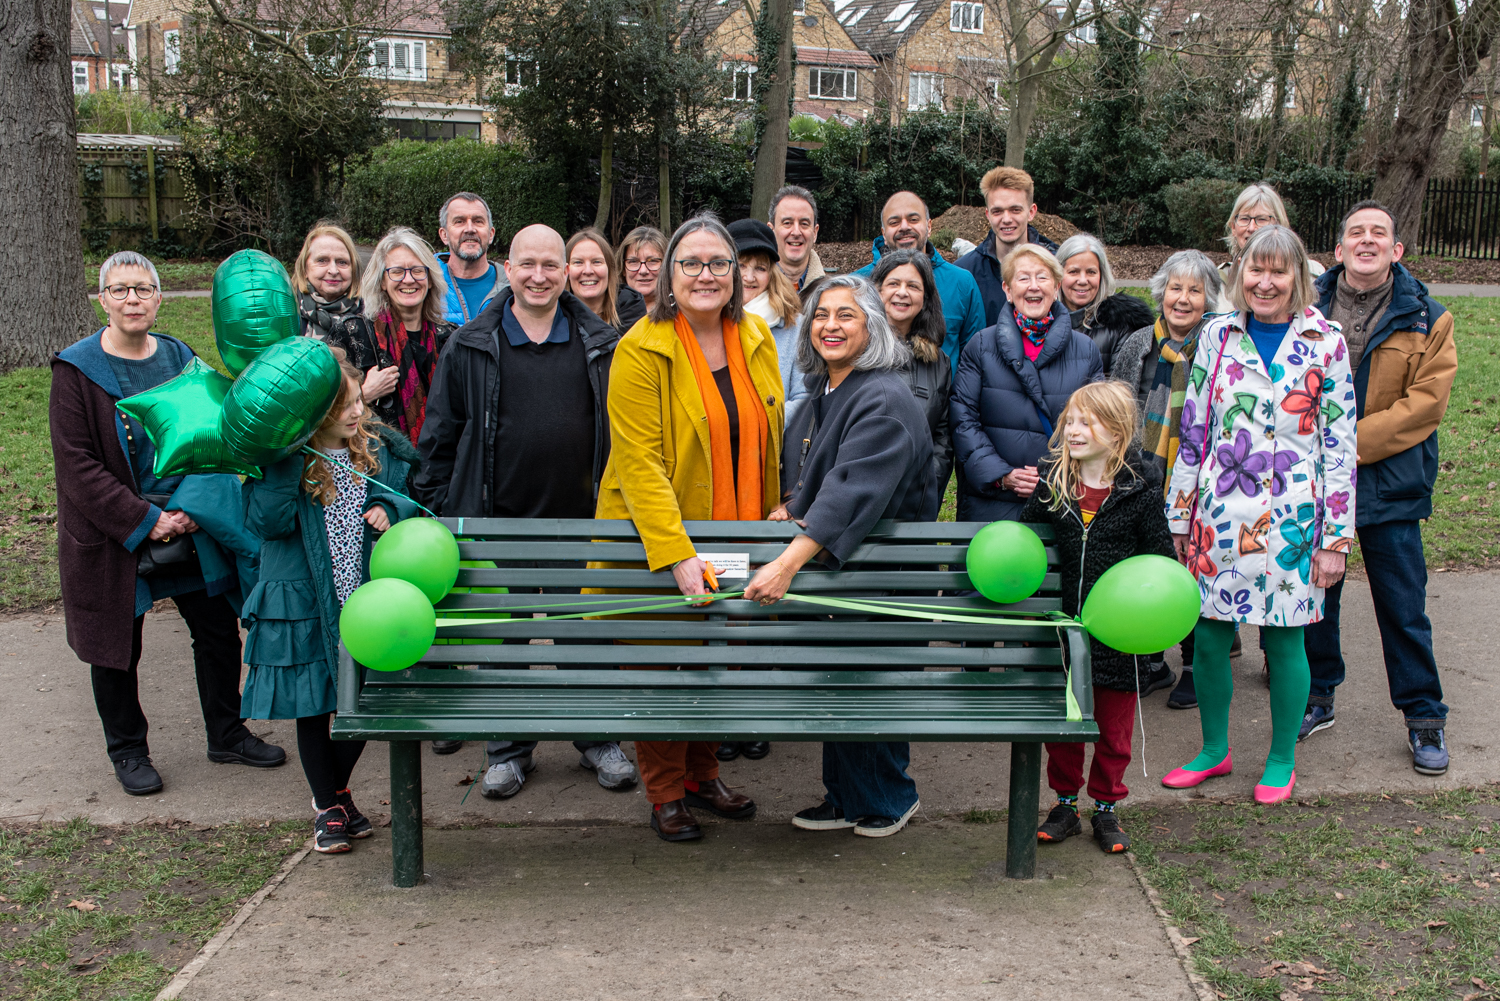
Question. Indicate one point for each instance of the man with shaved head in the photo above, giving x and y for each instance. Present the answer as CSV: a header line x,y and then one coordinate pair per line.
x,y
516,427
905,225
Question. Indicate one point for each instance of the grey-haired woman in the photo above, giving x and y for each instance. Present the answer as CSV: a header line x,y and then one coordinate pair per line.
x,y
1096,309
1256,206
863,453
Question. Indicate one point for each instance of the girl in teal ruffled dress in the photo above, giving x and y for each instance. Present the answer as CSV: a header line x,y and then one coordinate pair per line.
x,y
317,522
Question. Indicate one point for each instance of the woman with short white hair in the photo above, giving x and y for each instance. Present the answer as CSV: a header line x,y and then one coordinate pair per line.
x,y
1258,205
862,452
405,296
1088,290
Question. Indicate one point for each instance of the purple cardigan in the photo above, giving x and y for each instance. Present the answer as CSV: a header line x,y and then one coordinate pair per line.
x,y
101,517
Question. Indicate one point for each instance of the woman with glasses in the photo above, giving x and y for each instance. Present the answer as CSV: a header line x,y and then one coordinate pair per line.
x,y
641,257
1258,205
326,280
594,277
126,538
695,416
404,296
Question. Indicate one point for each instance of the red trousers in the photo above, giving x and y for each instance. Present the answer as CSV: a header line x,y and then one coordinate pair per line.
x,y
664,764
1115,713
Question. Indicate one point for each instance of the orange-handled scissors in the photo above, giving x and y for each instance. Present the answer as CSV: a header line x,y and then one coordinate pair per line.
x,y
710,576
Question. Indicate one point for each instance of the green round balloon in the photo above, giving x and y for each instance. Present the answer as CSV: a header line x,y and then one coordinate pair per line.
x,y
1006,562
1142,605
253,307
387,624
419,551
277,403
181,417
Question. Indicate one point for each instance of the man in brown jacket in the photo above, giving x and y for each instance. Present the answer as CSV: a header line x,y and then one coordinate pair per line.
x,y
1403,356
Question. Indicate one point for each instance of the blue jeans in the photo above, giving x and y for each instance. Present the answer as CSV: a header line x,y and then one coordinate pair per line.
x,y
868,778
1397,572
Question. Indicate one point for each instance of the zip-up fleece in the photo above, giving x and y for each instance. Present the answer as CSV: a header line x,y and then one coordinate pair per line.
x,y
1130,522
458,436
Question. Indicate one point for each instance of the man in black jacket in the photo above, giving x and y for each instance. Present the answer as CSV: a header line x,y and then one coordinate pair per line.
x,y
517,427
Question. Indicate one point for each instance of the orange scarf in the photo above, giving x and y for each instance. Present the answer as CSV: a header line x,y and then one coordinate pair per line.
x,y
735,497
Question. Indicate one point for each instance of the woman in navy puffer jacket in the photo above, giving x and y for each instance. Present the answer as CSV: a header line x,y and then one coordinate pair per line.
x,y
1013,381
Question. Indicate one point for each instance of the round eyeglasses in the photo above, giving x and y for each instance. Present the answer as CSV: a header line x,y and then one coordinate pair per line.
x,y
141,291
719,267
418,273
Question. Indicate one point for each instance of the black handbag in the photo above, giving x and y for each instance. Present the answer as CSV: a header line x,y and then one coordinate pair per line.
x,y
177,557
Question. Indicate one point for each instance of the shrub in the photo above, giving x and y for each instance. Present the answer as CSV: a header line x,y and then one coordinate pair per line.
x,y
1196,210
405,184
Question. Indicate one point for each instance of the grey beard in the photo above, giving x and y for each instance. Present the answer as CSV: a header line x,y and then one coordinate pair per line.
x,y
469,257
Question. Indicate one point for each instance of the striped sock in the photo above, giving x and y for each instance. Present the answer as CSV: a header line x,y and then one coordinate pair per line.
x,y
1102,807
1071,802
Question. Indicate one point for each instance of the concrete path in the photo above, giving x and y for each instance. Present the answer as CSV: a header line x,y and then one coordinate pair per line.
x,y
754,911
52,762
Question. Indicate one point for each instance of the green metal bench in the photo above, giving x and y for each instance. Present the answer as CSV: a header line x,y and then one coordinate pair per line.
x,y
839,675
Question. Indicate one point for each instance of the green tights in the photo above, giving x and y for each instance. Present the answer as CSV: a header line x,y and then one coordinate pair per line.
x,y
1290,683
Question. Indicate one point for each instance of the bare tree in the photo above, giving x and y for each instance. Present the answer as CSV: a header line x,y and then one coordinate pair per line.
x,y
773,31
41,215
1033,35
1443,51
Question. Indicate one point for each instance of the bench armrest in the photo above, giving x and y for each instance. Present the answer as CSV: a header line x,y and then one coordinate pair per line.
x,y
350,681
1081,671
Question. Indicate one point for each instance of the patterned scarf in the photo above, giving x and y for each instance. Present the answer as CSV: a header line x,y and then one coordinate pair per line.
x,y
416,357
320,314
1034,331
1161,430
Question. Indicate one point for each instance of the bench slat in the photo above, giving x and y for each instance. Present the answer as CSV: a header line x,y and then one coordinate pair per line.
x,y
911,658
756,552
576,529
910,632
820,582
978,681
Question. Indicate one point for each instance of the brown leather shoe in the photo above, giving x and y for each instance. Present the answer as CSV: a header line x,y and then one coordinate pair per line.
x,y
672,822
718,799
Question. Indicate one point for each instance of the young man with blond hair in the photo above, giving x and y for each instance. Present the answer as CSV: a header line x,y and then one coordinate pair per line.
x,y
1009,206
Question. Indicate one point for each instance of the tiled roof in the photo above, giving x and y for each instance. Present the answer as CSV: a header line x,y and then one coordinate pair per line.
x,y
880,26
809,56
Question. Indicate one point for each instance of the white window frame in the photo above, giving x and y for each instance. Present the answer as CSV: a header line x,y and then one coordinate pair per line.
x,y
393,58
171,49
1087,34
993,86
966,16
1476,114
741,72
1291,94
122,75
923,90
815,83
80,66
515,73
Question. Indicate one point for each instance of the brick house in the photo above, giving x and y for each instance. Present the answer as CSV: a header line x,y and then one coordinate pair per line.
x,y
100,46
930,53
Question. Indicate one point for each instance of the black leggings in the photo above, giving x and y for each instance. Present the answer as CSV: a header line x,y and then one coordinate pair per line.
x,y
326,762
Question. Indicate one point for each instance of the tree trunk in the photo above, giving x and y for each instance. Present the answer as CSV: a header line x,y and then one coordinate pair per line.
x,y
770,158
606,177
1018,126
39,181
1442,53
664,176
1031,65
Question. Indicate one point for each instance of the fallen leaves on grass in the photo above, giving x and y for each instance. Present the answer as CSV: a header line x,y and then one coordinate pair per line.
x,y
83,905
1437,924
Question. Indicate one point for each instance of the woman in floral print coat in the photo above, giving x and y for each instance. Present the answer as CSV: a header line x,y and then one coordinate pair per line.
x,y
1262,497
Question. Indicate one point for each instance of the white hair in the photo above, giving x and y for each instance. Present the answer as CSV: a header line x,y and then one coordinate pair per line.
x,y
126,259
372,286
1192,264
1084,243
883,350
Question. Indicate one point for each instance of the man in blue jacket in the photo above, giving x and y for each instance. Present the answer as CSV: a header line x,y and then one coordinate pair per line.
x,y
1009,206
905,224
1401,349
467,229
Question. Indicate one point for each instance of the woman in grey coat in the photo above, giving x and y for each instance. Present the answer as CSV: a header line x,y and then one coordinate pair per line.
x,y
864,453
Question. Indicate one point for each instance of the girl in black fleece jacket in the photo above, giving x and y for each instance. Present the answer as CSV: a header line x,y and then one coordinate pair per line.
x,y
1105,505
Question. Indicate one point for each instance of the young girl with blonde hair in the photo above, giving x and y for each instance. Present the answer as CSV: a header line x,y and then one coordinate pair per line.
x,y
317,522
1103,501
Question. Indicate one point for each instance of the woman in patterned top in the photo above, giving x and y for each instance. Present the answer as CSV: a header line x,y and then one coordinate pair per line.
x,y
317,522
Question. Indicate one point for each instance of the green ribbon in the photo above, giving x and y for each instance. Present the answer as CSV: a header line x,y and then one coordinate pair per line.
x,y
368,479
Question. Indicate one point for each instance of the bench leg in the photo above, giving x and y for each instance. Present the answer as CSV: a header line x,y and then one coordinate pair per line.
x,y
1025,779
406,812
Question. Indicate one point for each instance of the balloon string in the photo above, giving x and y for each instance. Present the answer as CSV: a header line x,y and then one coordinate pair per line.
x,y
368,479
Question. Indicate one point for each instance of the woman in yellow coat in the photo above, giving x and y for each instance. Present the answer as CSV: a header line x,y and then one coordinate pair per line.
x,y
695,416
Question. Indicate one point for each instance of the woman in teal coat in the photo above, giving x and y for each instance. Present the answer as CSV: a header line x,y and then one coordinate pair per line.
x,y
317,522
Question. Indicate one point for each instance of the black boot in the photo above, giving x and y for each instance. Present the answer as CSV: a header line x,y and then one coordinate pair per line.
x,y
137,776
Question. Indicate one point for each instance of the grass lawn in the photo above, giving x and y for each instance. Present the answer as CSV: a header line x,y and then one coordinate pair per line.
x,y
112,912
1464,530
176,275
1350,897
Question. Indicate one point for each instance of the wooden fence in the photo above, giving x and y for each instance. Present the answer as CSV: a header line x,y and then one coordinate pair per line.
x,y
131,189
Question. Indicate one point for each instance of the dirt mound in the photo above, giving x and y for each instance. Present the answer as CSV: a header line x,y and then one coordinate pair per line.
x,y
966,222
1054,227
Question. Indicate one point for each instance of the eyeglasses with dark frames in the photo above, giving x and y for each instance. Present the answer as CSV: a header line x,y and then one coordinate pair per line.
x,y
646,263
122,291
718,267
418,273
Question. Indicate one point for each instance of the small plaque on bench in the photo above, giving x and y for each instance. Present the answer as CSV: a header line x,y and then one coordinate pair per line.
x,y
728,566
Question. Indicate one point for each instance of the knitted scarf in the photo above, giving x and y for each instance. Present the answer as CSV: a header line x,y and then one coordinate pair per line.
x,y
737,494
323,315
416,357
1162,427
1034,331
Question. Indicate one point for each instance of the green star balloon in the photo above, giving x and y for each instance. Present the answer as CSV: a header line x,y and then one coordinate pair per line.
x,y
253,307
181,417
277,403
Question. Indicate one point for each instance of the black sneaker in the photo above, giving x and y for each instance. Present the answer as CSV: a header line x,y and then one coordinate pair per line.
x,y
359,825
1155,677
1107,832
447,746
729,750
1184,696
331,831
1237,647
137,776
1061,824
251,751
823,817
